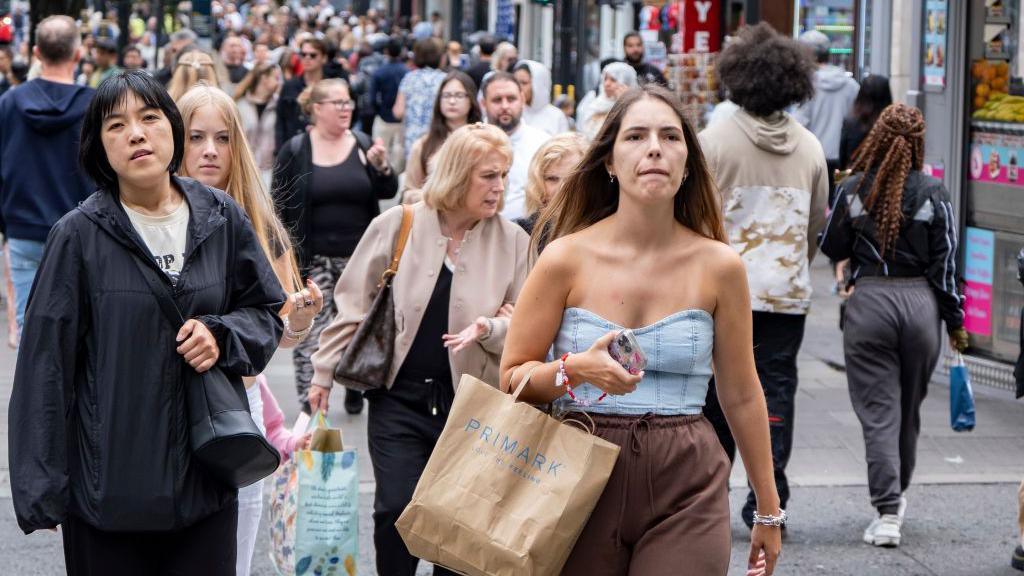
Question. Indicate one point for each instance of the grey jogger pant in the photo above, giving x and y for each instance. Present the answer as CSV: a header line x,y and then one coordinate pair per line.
x,y
891,342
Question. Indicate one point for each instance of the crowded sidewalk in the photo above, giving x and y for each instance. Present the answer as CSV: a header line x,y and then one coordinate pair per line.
x,y
963,498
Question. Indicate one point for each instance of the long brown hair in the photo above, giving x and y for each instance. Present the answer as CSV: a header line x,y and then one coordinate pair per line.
x,y
439,131
893,148
589,196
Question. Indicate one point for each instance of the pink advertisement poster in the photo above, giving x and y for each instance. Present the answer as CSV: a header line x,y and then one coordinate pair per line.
x,y
978,309
996,158
979,263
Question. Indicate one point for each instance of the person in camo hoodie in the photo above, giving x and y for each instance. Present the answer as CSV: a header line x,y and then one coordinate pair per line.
x,y
773,182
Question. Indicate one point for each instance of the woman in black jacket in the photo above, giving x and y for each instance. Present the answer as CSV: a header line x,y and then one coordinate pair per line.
x,y
327,184
99,437
897,227
873,97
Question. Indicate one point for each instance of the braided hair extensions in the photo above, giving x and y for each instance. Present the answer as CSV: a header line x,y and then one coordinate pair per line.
x,y
893,148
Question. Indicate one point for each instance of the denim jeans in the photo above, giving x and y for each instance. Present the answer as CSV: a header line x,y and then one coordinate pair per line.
x,y
25,258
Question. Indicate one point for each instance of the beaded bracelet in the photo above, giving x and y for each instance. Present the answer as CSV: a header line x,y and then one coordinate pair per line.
x,y
562,379
296,336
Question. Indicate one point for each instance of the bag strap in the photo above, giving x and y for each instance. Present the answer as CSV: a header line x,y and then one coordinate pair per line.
x,y
403,237
160,291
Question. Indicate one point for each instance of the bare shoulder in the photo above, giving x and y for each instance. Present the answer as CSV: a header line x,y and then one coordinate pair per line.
x,y
562,256
724,263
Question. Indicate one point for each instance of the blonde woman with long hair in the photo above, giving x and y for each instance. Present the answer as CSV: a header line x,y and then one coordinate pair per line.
x,y
551,165
217,154
192,68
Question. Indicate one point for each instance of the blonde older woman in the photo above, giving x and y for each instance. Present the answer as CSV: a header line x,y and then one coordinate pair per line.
x,y
452,303
551,165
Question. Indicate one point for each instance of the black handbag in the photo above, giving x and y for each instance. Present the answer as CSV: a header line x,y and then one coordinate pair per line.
x,y
223,437
366,362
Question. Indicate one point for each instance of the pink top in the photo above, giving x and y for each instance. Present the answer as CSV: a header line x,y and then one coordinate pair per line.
x,y
273,419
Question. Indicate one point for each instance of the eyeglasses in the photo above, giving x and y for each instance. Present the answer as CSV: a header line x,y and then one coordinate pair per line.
x,y
343,104
456,96
309,54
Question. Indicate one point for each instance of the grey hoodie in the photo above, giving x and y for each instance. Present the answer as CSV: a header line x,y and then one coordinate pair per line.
x,y
834,93
773,183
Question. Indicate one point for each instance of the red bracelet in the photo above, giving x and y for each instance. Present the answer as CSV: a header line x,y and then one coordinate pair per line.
x,y
562,379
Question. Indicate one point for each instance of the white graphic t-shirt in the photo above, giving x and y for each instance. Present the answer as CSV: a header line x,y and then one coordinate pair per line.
x,y
165,236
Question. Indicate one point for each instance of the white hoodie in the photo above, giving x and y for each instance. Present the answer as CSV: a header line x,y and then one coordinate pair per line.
x,y
540,113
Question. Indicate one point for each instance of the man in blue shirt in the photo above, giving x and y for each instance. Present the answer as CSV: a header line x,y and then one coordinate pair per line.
x,y
383,91
40,179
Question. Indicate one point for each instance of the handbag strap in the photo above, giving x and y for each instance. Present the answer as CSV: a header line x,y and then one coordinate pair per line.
x,y
403,237
160,291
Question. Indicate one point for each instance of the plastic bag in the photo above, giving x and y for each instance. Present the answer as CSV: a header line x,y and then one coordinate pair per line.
x,y
961,397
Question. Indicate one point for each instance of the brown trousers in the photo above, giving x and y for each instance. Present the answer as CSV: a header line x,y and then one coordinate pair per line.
x,y
665,510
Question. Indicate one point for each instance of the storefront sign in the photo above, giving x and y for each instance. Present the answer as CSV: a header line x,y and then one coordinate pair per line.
x,y
700,25
935,43
996,158
979,263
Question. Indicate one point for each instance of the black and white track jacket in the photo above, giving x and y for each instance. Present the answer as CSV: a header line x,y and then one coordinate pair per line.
x,y
926,245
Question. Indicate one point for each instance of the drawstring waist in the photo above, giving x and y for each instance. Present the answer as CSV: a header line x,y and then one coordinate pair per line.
x,y
638,443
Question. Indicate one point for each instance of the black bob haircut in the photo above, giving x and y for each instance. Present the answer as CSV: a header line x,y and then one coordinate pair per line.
x,y
765,72
110,95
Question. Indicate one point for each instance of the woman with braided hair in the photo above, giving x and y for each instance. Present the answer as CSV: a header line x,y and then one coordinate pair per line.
x,y
896,226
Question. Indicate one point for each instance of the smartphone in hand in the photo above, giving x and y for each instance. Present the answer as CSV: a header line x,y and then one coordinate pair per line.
x,y
625,349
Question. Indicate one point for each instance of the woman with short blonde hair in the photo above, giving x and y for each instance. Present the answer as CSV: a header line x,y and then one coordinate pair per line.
x,y
448,183
192,68
456,287
551,164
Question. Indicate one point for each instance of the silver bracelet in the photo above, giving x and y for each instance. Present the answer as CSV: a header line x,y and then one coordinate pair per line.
x,y
296,336
769,520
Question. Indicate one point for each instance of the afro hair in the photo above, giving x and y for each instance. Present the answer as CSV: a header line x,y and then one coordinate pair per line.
x,y
765,72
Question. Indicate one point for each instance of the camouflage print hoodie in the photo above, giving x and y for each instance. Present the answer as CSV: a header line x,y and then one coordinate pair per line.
x,y
773,183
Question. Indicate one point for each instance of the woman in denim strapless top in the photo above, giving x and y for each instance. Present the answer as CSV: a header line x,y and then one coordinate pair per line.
x,y
639,243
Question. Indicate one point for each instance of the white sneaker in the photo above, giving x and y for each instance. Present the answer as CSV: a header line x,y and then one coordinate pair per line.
x,y
884,531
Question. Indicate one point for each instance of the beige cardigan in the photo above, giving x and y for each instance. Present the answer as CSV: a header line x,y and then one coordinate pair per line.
x,y
491,271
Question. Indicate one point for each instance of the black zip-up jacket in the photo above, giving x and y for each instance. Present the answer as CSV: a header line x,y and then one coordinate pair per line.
x,y
291,187
98,424
926,245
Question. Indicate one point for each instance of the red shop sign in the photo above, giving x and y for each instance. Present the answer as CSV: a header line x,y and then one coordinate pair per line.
x,y
700,25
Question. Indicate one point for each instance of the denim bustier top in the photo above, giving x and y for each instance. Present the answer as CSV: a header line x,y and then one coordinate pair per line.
x,y
678,350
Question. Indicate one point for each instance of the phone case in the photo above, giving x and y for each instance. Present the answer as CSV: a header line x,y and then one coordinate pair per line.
x,y
626,351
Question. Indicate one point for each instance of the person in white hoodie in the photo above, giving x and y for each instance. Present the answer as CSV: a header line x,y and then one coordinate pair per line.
x,y
773,182
534,81
834,93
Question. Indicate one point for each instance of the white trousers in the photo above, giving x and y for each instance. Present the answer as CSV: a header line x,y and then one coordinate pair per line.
x,y
250,498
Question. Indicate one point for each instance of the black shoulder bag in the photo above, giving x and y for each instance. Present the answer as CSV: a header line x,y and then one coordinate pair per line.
x,y
222,434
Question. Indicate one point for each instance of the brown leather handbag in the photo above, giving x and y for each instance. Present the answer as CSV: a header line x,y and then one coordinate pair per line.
x,y
366,362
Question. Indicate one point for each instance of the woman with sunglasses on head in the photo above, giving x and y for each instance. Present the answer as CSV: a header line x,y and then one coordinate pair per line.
x,y
100,436
217,154
327,184
454,107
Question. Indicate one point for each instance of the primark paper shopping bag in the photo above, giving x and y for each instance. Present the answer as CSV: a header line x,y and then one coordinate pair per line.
x,y
507,489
